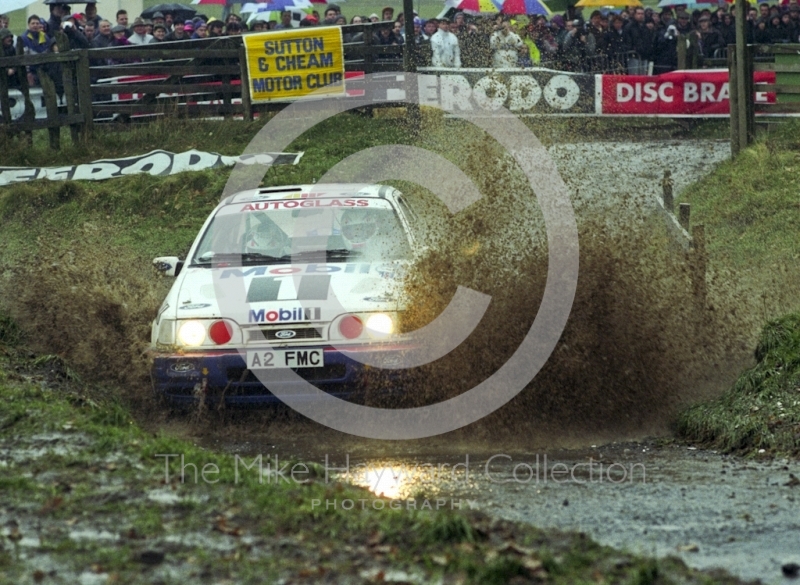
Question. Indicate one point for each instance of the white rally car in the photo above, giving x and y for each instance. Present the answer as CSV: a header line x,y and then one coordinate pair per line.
x,y
284,278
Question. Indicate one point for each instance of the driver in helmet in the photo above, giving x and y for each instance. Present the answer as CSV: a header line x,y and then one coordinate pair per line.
x,y
358,226
267,239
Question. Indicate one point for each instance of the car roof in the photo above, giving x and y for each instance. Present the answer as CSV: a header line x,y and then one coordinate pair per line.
x,y
318,190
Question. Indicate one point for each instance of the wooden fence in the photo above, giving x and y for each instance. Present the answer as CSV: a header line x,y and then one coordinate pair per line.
x,y
784,60
196,78
208,77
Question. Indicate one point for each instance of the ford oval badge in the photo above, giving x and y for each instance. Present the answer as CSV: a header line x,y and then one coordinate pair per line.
x,y
285,334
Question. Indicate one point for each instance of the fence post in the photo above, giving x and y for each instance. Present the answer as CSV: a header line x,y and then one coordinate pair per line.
x,y
368,44
681,47
684,212
51,105
84,82
733,100
5,103
666,185
410,66
22,72
741,74
247,105
751,96
68,76
368,58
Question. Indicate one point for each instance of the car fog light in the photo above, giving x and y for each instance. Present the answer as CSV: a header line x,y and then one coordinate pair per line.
x,y
192,333
220,332
380,325
350,327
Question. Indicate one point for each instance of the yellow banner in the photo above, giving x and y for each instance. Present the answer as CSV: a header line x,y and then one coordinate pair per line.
x,y
290,64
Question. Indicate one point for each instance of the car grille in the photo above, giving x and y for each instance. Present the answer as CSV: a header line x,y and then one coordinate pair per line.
x,y
271,334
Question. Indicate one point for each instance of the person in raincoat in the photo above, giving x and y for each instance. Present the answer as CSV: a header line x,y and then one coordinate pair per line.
x,y
507,46
534,57
445,48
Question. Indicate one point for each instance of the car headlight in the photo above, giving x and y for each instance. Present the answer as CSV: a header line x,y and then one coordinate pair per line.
x,y
191,333
379,325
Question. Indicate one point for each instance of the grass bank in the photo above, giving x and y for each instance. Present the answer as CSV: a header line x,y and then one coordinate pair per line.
x,y
761,413
751,209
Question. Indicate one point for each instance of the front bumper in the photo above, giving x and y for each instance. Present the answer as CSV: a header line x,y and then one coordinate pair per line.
x,y
221,375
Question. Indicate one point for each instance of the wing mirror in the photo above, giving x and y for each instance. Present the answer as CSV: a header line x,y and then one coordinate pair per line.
x,y
168,265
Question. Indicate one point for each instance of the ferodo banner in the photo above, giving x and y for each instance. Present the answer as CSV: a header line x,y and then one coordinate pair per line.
x,y
157,162
293,63
703,93
527,91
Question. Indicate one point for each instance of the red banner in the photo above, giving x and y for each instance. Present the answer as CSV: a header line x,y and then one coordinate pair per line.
x,y
680,93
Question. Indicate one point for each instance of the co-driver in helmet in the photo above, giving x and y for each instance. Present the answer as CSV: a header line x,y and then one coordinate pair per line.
x,y
267,239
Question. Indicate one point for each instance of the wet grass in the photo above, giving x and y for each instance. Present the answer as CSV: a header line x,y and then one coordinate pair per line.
x,y
762,410
79,489
751,209
751,205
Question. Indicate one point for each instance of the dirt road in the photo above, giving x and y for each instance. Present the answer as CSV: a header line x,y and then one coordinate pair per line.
x,y
711,510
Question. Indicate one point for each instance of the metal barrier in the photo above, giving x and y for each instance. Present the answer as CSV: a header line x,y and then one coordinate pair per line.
x,y
613,65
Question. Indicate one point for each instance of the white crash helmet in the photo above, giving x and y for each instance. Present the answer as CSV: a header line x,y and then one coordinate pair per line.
x,y
266,238
358,226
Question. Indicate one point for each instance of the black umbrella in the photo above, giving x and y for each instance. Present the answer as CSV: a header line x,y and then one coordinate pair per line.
x,y
179,11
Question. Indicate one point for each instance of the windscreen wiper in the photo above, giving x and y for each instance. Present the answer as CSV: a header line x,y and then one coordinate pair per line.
x,y
244,258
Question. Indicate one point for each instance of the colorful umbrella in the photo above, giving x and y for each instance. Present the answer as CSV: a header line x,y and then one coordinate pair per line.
x,y
601,3
474,6
273,5
525,7
689,5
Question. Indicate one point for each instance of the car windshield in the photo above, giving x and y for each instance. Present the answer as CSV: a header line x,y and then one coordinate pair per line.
x,y
285,231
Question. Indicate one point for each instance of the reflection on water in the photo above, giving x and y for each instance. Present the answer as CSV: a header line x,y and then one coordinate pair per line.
x,y
404,480
385,482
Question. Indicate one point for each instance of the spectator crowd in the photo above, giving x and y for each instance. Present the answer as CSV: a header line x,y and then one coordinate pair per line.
x,y
636,40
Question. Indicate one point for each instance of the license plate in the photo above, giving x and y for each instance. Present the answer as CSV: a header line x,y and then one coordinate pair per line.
x,y
285,358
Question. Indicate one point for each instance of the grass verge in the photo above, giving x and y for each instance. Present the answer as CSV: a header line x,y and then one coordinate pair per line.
x,y
751,209
762,410
87,497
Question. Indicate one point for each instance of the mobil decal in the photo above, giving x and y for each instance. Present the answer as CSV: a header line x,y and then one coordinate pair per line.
x,y
359,268
285,315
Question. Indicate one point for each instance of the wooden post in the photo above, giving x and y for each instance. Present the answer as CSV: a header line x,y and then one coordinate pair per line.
x,y
683,215
368,58
409,47
367,44
5,103
733,100
51,105
247,105
666,185
22,72
84,82
751,96
681,47
410,66
68,75
741,73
